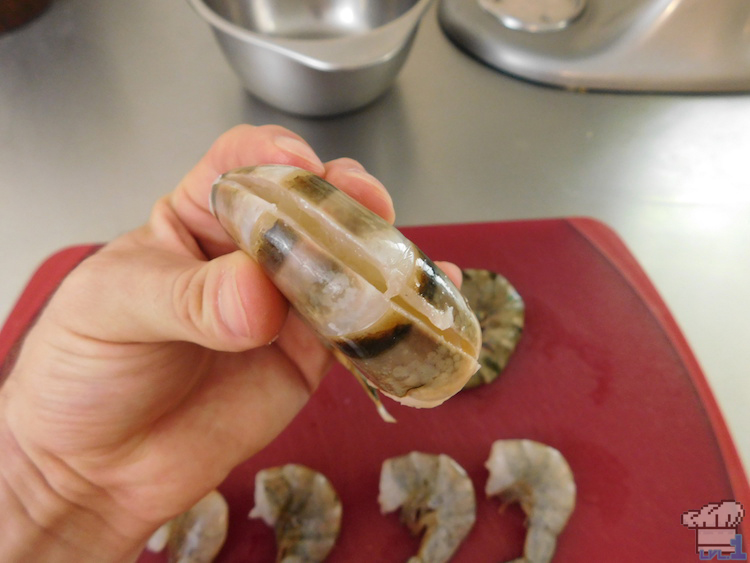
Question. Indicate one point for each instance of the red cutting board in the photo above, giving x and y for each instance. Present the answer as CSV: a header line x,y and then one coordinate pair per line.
x,y
602,373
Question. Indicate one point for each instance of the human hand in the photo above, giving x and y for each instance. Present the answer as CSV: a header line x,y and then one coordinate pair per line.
x,y
149,375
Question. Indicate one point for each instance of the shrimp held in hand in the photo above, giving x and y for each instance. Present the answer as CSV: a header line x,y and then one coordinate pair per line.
x,y
436,497
388,312
538,477
302,507
196,536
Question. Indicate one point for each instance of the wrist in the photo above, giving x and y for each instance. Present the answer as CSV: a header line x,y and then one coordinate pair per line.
x,y
38,523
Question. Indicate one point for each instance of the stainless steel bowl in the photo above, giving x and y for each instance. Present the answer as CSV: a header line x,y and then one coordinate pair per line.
x,y
315,57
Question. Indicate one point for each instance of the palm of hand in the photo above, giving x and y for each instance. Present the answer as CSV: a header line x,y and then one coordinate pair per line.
x,y
129,417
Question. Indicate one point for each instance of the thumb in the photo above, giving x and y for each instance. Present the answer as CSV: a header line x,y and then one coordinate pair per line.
x,y
130,293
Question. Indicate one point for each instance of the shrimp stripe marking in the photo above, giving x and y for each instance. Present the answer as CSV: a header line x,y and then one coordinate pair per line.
x,y
276,244
375,344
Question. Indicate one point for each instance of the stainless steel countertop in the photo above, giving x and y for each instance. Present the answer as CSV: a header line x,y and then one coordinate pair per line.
x,y
105,105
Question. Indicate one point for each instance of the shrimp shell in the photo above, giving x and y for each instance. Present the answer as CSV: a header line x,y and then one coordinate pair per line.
x,y
436,497
369,292
538,477
197,535
500,311
302,507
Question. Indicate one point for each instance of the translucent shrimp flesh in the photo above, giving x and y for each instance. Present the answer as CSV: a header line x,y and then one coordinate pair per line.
x,y
197,535
302,507
540,479
500,311
436,497
388,312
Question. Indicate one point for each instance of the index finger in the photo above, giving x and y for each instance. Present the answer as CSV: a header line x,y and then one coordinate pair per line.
x,y
244,145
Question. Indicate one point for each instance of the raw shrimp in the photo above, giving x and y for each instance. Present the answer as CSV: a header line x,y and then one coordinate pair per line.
x,y
197,535
390,314
302,507
436,497
538,477
500,311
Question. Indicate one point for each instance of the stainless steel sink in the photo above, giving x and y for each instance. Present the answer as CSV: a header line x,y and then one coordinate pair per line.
x,y
635,45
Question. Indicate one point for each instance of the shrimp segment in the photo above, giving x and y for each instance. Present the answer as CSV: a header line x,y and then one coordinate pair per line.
x,y
197,535
302,507
538,477
370,293
436,497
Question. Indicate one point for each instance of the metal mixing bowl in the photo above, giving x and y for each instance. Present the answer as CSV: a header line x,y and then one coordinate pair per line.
x,y
314,57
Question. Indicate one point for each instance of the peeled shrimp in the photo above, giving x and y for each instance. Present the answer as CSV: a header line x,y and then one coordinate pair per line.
x,y
500,311
389,313
197,535
436,497
538,477
302,507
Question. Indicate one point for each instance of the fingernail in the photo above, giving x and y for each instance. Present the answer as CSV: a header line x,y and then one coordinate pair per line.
x,y
298,148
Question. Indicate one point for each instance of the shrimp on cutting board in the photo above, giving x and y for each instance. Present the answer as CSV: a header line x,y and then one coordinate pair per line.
x,y
501,312
302,507
197,535
539,478
436,497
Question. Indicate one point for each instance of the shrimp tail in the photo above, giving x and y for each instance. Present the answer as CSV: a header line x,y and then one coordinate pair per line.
x,y
540,544
371,391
